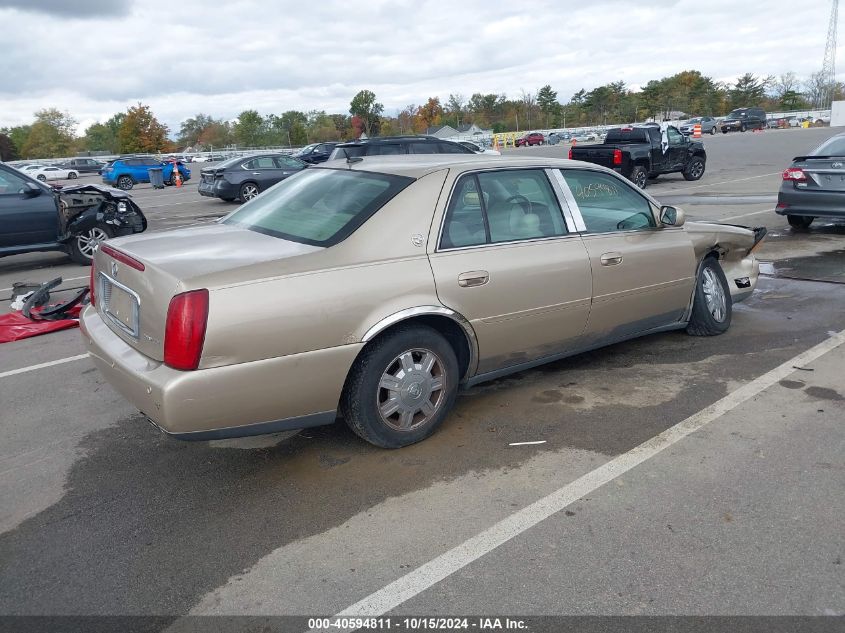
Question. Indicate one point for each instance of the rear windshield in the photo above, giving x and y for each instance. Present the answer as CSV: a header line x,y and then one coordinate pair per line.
x,y
831,147
320,207
627,135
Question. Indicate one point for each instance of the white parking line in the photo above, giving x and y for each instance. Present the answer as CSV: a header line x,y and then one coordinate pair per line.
x,y
743,215
443,566
656,194
23,370
63,280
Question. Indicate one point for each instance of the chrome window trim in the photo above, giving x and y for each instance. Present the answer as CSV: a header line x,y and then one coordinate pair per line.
x,y
572,214
439,249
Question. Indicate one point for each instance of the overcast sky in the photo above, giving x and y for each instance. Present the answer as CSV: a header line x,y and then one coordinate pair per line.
x,y
96,57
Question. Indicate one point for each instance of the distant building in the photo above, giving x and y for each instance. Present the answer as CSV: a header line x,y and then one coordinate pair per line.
x,y
462,131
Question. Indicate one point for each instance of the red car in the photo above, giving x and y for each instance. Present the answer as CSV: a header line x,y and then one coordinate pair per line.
x,y
532,138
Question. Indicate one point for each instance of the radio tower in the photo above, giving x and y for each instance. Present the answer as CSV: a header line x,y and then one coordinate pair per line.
x,y
829,65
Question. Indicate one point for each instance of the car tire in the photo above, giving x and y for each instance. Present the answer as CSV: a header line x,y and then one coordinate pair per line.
x,y
712,130
42,177
639,176
724,131
389,383
125,183
800,221
742,128
712,307
72,175
694,169
248,191
81,247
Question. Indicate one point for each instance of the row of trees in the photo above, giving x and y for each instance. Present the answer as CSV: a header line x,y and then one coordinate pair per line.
x,y
689,92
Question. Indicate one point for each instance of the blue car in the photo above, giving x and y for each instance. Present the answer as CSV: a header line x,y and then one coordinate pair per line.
x,y
127,171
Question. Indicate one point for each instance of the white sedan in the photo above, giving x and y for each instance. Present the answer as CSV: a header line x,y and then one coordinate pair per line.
x,y
54,173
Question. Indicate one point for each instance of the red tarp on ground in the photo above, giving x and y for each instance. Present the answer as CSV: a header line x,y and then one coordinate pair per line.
x,y
15,326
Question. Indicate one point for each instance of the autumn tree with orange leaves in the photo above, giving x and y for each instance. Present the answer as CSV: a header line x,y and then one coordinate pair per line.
x,y
142,132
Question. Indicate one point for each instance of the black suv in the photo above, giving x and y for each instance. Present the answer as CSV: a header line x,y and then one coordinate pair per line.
x,y
391,145
316,152
743,119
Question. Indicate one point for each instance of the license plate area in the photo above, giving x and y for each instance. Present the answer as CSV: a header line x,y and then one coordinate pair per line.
x,y
120,305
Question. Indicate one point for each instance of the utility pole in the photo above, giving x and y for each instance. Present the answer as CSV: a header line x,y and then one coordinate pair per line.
x,y
829,63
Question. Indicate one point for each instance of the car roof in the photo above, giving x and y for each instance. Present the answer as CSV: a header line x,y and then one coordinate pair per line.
x,y
419,165
392,139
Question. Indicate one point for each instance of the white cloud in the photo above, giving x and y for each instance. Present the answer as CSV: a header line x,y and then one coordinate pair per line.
x,y
274,56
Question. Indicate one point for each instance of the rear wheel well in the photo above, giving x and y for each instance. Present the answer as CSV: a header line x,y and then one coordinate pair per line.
x,y
450,330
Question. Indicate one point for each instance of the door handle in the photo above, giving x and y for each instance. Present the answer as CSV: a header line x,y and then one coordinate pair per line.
x,y
473,278
611,259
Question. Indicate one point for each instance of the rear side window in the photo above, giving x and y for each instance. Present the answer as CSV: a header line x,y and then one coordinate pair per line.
x,y
452,148
627,135
423,148
320,207
501,206
265,162
351,151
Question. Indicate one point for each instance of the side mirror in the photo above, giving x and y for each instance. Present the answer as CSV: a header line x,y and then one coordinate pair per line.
x,y
30,190
671,216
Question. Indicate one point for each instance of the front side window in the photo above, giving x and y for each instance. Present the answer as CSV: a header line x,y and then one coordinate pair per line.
x,y
501,206
320,207
286,162
607,203
675,137
11,184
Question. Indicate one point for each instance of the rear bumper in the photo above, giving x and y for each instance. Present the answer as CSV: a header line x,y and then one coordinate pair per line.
x,y
819,204
252,398
219,188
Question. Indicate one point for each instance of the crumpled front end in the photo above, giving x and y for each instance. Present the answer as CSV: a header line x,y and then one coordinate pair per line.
x,y
735,246
85,206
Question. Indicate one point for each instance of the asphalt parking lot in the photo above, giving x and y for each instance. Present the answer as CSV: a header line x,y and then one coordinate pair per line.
x,y
734,506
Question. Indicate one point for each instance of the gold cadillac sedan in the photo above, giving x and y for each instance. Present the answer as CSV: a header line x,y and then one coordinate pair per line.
x,y
376,288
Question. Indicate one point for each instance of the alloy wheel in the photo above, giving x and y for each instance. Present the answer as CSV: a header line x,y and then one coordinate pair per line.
x,y
696,169
641,179
90,240
249,192
714,295
411,389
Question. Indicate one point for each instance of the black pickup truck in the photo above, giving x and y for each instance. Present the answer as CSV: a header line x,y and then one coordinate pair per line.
x,y
638,153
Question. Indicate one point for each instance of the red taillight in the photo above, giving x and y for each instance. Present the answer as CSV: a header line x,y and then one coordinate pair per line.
x,y
794,173
617,157
121,257
91,282
184,332
570,153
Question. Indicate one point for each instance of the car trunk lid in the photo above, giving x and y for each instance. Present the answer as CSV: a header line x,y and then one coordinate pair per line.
x,y
137,276
822,173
